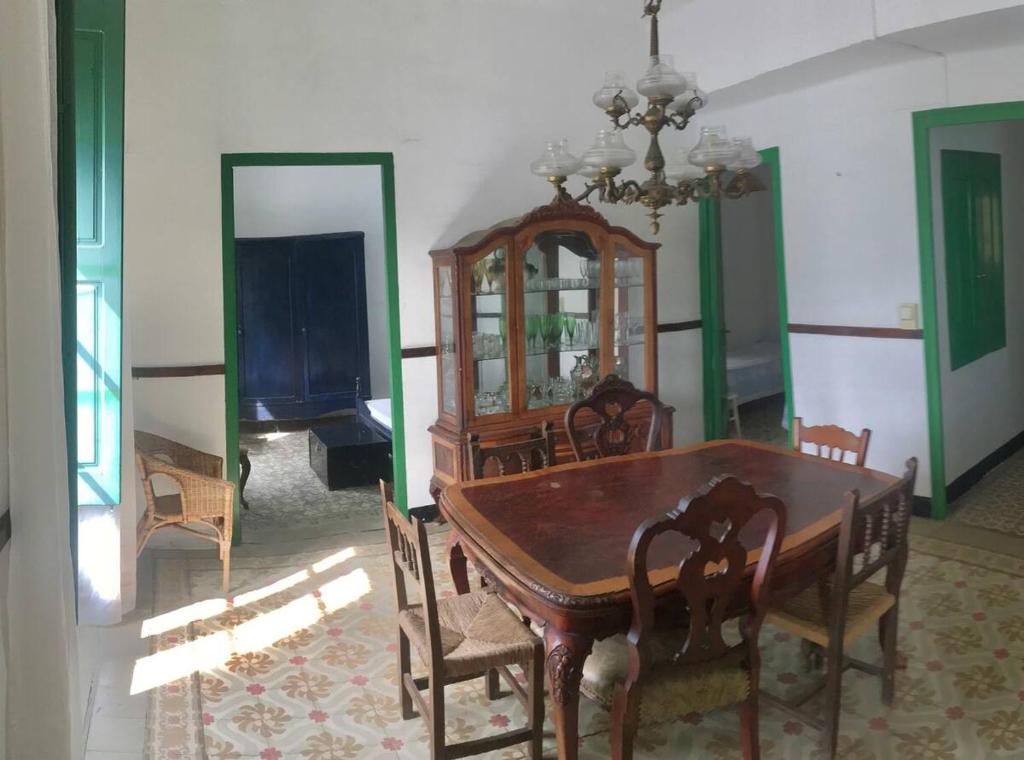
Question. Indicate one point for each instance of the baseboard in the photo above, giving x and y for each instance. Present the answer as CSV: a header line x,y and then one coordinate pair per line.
x,y
921,506
962,484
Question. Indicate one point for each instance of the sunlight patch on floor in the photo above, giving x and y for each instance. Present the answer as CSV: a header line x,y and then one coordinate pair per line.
x,y
210,607
209,652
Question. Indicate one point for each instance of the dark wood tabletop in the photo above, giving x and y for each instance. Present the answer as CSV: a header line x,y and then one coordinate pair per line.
x,y
554,542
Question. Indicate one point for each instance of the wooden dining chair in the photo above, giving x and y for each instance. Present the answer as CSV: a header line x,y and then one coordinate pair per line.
x,y
831,441
535,453
872,537
660,671
597,426
458,638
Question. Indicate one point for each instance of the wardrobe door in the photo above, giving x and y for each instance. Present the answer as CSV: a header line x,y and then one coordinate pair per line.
x,y
269,379
332,289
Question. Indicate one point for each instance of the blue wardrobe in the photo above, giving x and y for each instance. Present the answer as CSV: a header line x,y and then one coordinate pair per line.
x,y
303,349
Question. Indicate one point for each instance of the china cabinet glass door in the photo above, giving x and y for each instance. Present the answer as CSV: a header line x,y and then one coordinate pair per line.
x,y
561,321
488,314
629,320
446,339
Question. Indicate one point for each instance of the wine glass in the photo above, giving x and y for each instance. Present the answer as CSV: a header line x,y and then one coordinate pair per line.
x,y
569,323
532,328
503,331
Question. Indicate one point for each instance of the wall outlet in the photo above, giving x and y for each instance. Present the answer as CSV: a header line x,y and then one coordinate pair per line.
x,y
908,316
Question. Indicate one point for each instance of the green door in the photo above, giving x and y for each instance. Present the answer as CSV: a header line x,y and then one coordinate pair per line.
x,y
972,205
99,128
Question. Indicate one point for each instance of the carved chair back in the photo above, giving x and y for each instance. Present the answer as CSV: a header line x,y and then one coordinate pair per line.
x,y
510,458
872,537
597,426
831,441
410,554
712,578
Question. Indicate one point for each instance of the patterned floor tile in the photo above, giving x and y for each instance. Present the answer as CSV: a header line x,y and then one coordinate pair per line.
x,y
997,502
283,491
308,672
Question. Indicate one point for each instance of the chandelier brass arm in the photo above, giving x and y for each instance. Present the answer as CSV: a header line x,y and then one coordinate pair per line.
x,y
673,99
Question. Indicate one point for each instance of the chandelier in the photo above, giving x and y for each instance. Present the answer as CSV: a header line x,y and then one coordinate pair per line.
x,y
672,99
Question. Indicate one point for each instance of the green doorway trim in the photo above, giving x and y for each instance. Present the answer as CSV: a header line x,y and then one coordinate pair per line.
x,y
713,313
923,123
387,175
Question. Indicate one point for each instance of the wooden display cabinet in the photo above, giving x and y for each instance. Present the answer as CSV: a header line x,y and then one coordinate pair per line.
x,y
530,314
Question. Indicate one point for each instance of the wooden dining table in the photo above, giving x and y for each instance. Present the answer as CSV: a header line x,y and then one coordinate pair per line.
x,y
553,542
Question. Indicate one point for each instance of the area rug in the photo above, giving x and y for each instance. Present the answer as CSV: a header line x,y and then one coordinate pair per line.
x,y
283,492
997,502
304,669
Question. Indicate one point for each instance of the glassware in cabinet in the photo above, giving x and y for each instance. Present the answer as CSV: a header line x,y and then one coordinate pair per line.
x,y
561,277
488,315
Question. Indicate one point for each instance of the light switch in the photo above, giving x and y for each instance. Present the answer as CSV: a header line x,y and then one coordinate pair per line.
x,y
908,316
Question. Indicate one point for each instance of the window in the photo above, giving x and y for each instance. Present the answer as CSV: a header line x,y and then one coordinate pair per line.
x,y
972,204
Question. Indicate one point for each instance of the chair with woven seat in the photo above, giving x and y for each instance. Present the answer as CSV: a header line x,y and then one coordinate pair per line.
x,y
671,669
535,453
597,426
202,498
458,638
833,614
831,441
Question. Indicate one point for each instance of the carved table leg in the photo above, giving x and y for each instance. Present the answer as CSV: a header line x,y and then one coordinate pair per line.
x,y
246,465
564,654
457,564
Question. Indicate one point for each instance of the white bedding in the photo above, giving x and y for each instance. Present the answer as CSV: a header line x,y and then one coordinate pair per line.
x,y
380,410
755,371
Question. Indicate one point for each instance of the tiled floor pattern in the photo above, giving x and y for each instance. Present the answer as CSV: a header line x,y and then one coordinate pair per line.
x,y
305,670
761,420
997,502
284,493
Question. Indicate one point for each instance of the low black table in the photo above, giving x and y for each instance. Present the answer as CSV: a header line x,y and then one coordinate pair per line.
x,y
349,454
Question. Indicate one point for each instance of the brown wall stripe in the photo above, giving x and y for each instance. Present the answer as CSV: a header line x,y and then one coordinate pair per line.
x,y
857,332
193,370
667,327
5,528
419,352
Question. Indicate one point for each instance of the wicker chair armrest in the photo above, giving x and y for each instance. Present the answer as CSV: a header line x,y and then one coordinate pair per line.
x,y
201,495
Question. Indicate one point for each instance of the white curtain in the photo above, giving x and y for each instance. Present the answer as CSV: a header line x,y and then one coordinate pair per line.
x,y
43,719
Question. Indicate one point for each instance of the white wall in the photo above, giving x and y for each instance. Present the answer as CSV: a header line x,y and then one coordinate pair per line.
x,y
273,201
982,403
437,84
850,241
748,267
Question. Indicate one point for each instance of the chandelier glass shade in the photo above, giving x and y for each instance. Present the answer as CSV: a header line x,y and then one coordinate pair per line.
x,y
673,98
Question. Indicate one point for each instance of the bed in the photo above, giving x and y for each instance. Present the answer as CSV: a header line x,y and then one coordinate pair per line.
x,y
375,413
754,371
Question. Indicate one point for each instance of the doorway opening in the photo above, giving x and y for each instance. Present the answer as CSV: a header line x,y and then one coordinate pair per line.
x,y
970,174
313,374
748,392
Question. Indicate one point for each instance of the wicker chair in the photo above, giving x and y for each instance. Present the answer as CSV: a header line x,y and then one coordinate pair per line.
x,y
203,497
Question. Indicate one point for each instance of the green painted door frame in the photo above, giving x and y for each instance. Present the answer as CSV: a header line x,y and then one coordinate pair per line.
x,y
712,309
923,122
387,175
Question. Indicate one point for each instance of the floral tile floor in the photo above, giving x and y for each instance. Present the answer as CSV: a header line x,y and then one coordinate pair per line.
x,y
303,668
285,494
997,502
